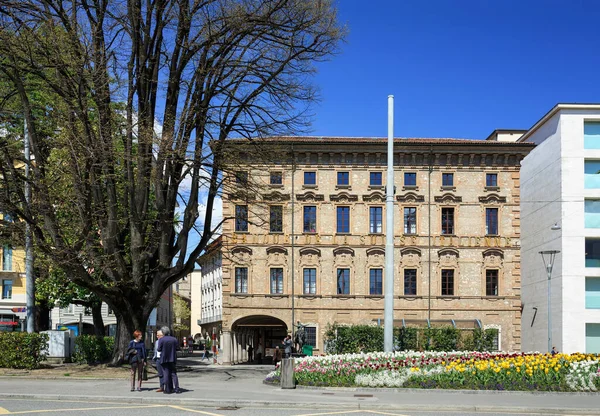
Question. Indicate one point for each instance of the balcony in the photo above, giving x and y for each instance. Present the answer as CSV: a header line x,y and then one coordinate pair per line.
x,y
209,319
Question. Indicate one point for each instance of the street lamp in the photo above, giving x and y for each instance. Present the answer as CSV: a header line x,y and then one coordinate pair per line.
x,y
548,257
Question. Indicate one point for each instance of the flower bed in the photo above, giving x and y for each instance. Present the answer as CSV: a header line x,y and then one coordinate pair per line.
x,y
451,370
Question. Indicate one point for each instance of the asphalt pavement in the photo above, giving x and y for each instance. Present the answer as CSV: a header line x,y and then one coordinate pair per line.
x,y
241,386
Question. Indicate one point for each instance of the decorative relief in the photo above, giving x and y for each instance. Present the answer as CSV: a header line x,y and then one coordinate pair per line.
x,y
493,258
340,251
376,251
310,196
241,250
447,198
410,197
411,257
374,197
492,198
276,249
310,251
343,197
448,257
276,196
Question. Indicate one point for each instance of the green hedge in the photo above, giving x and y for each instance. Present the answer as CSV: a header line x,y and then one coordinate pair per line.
x,y
22,350
365,338
91,349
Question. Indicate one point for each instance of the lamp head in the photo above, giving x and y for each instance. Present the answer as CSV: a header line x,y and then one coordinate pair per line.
x,y
555,227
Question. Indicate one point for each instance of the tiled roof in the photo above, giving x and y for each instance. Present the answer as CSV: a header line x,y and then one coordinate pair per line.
x,y
399,140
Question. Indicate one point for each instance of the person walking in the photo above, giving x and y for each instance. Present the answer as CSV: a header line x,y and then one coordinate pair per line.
x,y
259,352
276,356
156,359
250,353
168,346
136,352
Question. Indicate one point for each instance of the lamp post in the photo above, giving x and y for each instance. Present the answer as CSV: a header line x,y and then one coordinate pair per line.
x,y
548,257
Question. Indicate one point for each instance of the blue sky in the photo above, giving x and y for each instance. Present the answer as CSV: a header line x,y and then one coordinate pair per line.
x,y
457,68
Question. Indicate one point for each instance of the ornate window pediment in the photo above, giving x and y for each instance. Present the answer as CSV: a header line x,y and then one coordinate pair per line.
x,y
410,250
491,198
310,196
493,252
241,250
376,251
448,252
276,249
448,197
410,197
343,197
276,196
310,251
374,197
343,250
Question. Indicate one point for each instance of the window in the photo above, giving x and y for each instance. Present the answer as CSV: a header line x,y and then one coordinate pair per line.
x,y
109,311
241,218
592,292
276,219
491,179
592,213
310,219
241,280
343,219
448,179
410,220
410,179
241,178
592,338
491,282
311,335
410,282
7,258
310,178
448,221
343,178
7,286
592,252
276,178
447,282
376,281
375,179
277,281
491,221
87,311
310,281
343,281
375,220
591,135
591,174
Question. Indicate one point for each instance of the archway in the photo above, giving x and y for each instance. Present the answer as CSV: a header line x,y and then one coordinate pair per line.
x,y
260,332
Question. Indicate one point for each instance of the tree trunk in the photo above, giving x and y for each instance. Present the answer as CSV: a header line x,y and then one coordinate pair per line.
x,y
126,325
98,321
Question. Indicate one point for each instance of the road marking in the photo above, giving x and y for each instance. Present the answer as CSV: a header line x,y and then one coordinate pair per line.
x,y
3,411
335,413
388,414
193,411
137,406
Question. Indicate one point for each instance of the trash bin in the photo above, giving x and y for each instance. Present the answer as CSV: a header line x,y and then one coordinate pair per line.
x,y
307,350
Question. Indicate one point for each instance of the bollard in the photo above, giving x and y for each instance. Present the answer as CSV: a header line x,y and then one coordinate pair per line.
x,y
287,374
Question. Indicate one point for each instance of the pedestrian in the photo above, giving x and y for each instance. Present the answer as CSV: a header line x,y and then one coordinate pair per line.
x,y
156,359
276,356
250,351
204,354
136,355
259,352
287,347
554,351
191,345
168,346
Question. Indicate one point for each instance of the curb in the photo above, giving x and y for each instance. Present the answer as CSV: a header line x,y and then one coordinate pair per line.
x,y
216,403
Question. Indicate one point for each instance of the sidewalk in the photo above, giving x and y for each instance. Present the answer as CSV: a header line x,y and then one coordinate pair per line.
x,y
241,386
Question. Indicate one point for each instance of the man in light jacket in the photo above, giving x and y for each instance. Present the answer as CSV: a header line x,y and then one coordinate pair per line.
x,y
156,359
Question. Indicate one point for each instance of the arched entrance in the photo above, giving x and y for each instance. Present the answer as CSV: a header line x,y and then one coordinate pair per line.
x,y
255,330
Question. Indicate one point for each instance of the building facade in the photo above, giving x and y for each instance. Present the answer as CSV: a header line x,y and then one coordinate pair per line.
x,y
308,244
13,280
208,293
560,205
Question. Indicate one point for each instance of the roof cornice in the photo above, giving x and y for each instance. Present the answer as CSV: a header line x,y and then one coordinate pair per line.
x,y
557,108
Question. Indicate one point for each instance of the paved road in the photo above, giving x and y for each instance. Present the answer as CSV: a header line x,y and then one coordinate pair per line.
x,y
60,407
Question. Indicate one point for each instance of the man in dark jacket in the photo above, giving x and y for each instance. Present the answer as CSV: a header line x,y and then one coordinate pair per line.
x,y
168,346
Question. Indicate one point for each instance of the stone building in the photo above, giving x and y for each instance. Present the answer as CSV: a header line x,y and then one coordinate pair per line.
x,y
456,228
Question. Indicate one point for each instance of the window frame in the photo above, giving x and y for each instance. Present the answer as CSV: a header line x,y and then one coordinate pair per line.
x,y
7,258
446,175
492,281
380,174
448,224
276,172
376,281
413,178
273,221
309,281
241,280
408,223
241,218
491,221
7,294
308,229
312,173
374,226
242,178
343,176
276,280
491,180
342,219
344,274
447,282
410,282
311,335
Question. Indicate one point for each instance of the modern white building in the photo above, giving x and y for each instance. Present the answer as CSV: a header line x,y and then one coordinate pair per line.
x,y
209,294
560,211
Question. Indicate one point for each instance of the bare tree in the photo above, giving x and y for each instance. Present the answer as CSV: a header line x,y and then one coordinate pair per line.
x,y
143,95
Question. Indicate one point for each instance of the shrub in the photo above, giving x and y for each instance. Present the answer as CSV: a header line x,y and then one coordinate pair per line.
x,y
22,350
353,339
91,349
